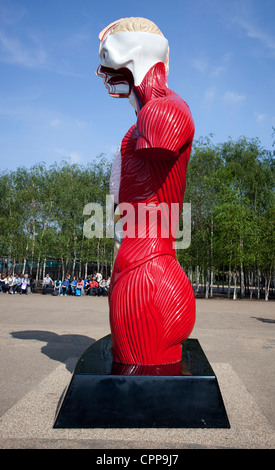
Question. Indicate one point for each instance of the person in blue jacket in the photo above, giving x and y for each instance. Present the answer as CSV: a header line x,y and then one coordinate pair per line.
x,y
65,287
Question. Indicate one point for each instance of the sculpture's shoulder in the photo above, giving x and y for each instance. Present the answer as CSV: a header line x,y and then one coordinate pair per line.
x,y
166,123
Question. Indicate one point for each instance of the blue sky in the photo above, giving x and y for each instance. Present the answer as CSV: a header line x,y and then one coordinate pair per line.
x,y
53,106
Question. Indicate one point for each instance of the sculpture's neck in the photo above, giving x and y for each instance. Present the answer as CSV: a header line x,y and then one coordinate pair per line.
x,y
154,85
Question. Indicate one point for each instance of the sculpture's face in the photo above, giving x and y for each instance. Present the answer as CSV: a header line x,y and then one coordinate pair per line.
x,y
126,58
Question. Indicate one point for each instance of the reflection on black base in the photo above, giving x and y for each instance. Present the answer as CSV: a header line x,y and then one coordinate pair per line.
x,y
106,394
137,369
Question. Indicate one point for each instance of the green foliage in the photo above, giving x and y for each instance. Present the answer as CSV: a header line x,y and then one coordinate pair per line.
x,y
41,213
231,190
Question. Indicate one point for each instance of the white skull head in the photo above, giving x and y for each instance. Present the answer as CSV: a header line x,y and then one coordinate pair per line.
x,y
126,56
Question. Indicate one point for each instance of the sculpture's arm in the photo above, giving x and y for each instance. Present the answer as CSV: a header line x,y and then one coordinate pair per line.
x,y
165,126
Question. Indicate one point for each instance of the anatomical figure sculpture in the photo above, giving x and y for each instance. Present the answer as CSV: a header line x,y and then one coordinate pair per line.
x,y
151,301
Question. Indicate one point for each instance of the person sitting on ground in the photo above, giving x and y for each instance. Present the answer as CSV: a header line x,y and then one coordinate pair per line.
x,y
47,281
65,287
93,288
69,279
3,283
56,288
73,285
17,284
32,284
25,285
102,287
88,287
10,283
80,285
86,284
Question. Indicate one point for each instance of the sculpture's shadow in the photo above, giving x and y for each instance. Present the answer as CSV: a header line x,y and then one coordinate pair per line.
x,y
264,320
59,347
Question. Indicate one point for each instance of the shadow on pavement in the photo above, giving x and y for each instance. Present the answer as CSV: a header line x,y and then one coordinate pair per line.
x,y
264,320
58,347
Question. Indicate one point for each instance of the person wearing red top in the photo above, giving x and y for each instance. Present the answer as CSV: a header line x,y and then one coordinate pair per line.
x,y
93,288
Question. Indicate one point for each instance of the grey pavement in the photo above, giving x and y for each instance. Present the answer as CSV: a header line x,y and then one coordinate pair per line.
x,y
42,337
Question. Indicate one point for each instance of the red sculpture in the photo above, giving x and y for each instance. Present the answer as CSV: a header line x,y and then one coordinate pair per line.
x,y
152,305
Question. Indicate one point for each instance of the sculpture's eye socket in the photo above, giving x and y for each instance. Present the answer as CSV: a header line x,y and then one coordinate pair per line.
x,y
104,54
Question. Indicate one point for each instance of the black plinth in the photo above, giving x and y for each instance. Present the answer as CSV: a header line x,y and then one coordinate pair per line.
x,y
98,396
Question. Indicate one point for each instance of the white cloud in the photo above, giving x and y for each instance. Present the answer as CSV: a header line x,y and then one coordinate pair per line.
x,y
200,64
233,98
29,51
11,14
255,33
55,123
260,118
219,69
209,95
75,157
71,156
13,52
69,121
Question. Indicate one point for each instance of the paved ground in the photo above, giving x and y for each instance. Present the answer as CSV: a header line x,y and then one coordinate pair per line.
x,y
42,337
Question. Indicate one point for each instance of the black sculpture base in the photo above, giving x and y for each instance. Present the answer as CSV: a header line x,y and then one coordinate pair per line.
x,y
183,395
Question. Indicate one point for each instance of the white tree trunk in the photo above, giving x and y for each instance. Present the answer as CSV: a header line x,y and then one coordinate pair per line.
x,y
229,282
207,284
197,279
235,285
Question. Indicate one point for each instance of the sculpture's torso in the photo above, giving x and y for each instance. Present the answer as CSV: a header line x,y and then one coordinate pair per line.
x,y
152,307
155,183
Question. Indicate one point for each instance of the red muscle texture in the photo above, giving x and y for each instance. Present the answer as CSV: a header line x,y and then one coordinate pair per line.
x,y
165,123
152,305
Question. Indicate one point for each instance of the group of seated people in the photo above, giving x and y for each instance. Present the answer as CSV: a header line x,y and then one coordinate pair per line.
x,y
16,284
94,285
23,284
